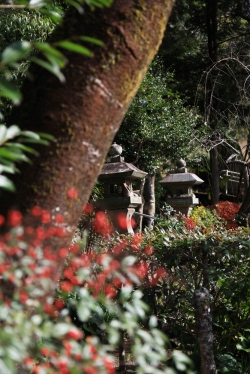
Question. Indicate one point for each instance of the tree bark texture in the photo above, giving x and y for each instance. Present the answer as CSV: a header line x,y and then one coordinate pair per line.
x,y
149,197
212,10
84,113
242,217
204,329
214,176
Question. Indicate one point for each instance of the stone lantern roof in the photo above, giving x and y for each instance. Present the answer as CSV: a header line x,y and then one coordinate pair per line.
x,y
181,179
182,198
116,167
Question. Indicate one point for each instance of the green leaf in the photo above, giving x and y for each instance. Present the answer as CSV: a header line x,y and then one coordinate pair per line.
x,y
75,48
12,132
240,348
60,329
46,136
92,40
12,155
22,147
7,169
6,183
10,91
15,52
3,130
54,69
30,134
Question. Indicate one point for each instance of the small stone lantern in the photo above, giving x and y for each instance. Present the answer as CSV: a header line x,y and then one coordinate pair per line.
x,y
182,198
119,198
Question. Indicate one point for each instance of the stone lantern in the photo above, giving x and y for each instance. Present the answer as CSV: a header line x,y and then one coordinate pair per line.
x,y
182,197
119,198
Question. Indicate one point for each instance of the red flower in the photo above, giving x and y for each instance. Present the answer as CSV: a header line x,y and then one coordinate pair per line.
x,y
29,230
122,220
136,241
74,248
36,211
101,224
110,291
60,232
14,218
109,365
149,251
68,273
45,351
45,217
59,218
23,297
63,252
75,334
142,269
90,370
29,362
72,193
59,303
40,233
118,248
88,209
66,286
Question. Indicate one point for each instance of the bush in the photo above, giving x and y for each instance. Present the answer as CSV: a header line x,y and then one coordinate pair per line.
x,y
46,335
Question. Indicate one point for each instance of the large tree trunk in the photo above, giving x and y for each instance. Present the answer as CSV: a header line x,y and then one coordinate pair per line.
x,y
84,113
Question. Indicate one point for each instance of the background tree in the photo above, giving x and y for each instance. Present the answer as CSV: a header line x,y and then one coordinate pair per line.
x,y
158,129
209,32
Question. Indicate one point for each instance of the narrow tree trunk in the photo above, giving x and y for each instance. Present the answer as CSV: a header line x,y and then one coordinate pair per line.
x,y
122,358
139,209
242,217
84,113
214,176
149,196
212,6
204,329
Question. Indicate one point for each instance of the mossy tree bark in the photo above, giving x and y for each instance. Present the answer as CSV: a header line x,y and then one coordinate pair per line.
x,y
204,330
84,113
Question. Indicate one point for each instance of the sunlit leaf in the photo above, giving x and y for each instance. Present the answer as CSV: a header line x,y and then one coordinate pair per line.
x,y
75,48
3,130
15,52
6,183
54,69
92,40
10,91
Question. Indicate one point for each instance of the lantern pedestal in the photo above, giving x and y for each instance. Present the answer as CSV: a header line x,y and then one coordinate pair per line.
x,y
119,200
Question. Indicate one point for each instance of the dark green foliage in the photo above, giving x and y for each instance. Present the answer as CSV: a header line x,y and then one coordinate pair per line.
x,y
158,127
223,258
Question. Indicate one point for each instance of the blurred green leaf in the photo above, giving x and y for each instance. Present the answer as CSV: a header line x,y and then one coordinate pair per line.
x,y
53,68
92,40
75,48
6,183
15,52
10,91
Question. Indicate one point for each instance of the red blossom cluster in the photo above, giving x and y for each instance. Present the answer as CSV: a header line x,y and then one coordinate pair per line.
x,y
189,223
227,211
32,270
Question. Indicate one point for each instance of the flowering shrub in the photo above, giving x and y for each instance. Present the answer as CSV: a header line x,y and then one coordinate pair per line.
x,y
38,333
227,211
206,219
